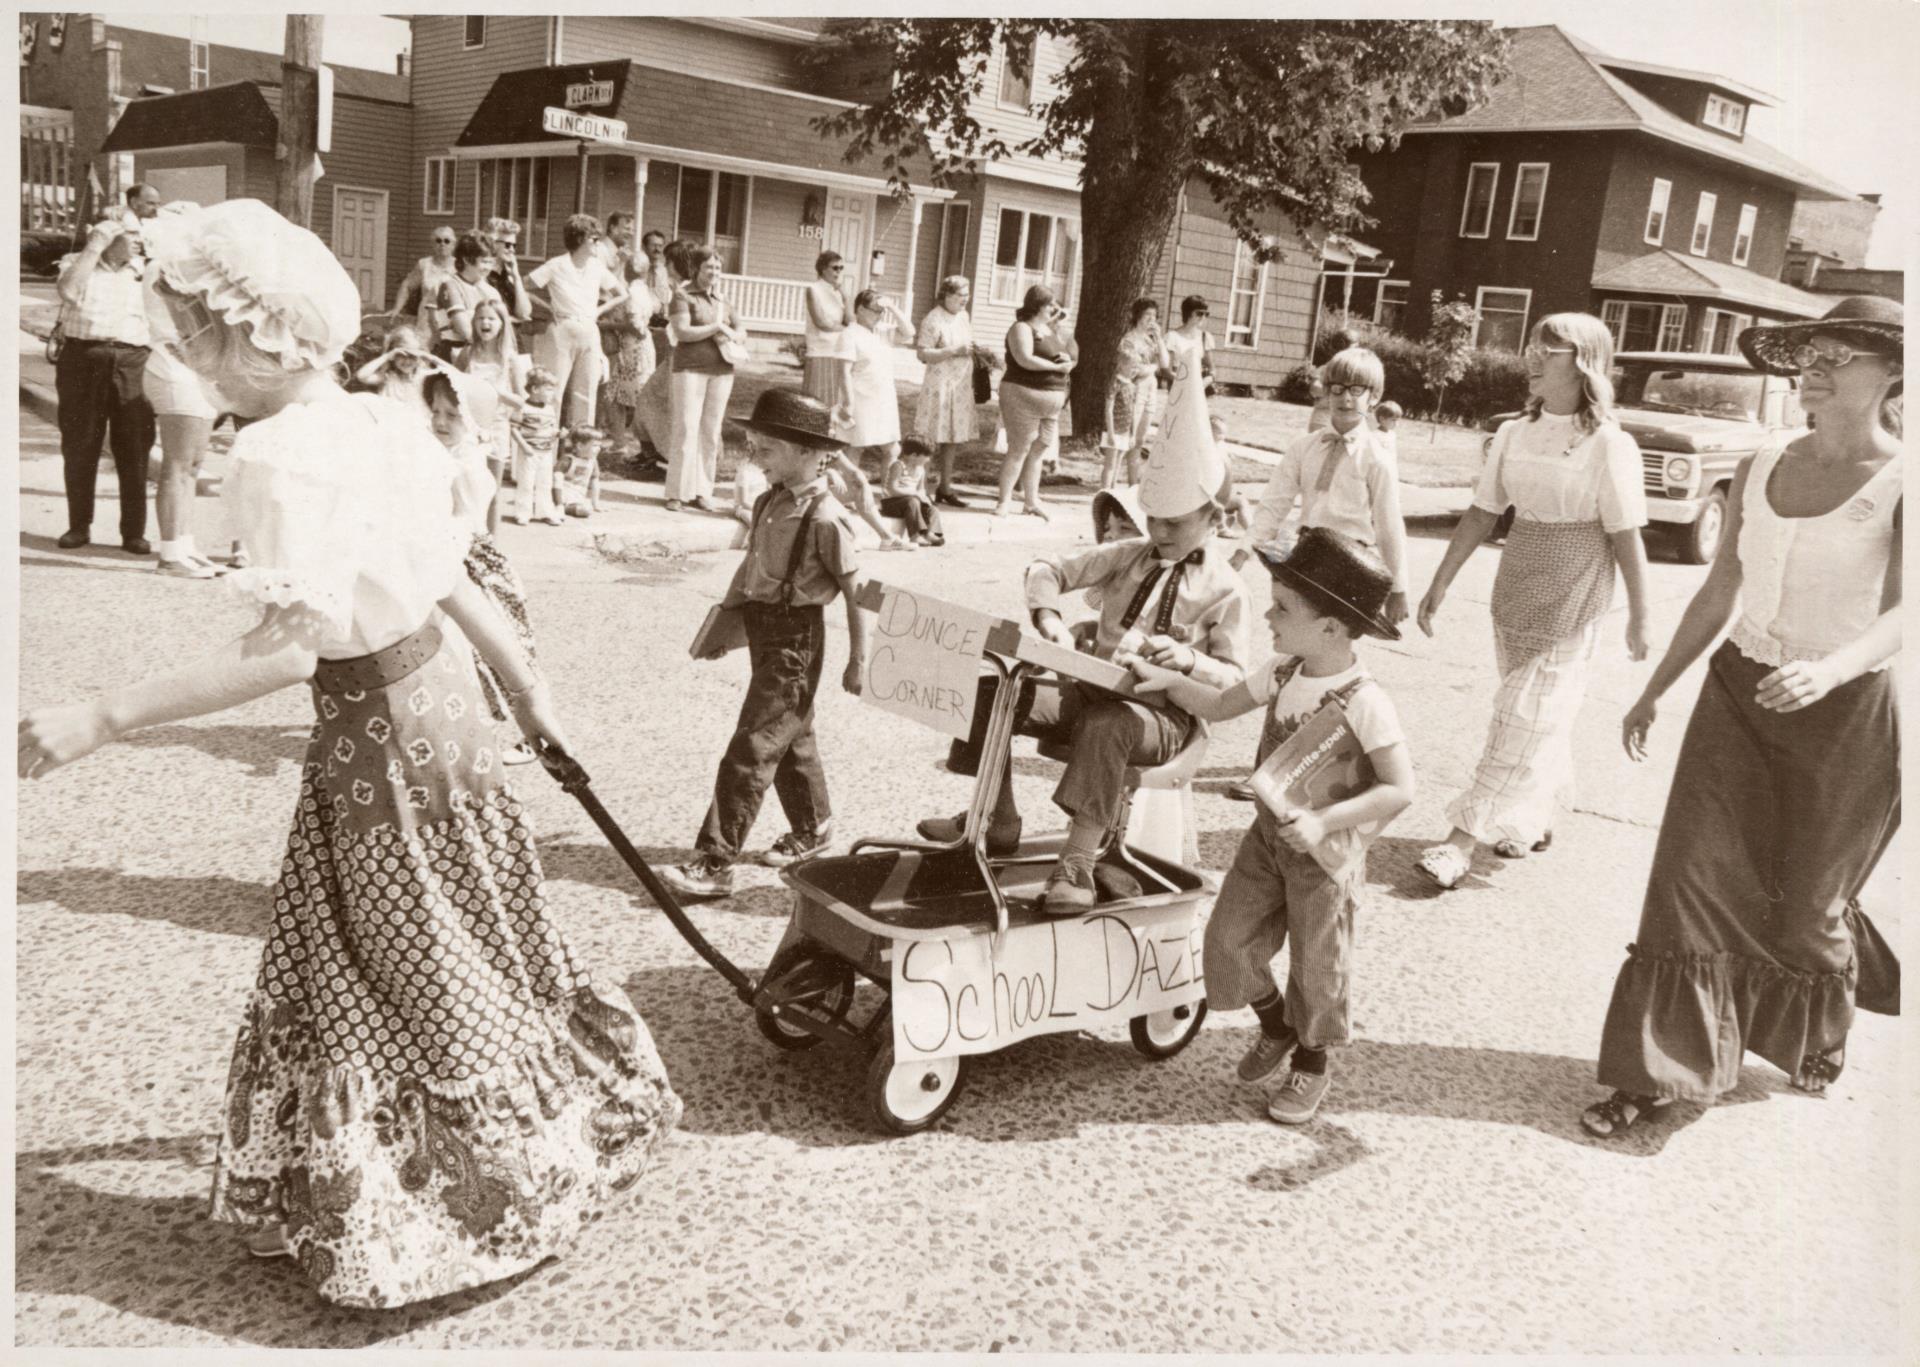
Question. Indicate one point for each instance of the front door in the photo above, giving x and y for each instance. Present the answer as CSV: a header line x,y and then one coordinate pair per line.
x,y
360,241
846,233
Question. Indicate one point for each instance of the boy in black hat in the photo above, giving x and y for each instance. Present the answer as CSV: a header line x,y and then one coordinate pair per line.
x,y
800,556
1327,592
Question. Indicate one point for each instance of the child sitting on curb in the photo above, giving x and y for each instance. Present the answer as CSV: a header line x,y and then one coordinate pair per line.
x,y
576,482
906,494
800,557
1327,592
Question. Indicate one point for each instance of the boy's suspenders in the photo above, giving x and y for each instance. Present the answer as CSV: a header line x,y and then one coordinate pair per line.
x,y
799,542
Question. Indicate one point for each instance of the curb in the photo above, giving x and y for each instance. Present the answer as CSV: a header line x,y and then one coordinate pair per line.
x,y
36,399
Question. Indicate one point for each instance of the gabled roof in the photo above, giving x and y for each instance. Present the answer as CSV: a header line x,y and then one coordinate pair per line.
x,y
1668,272
1751,94
1560,84
237,112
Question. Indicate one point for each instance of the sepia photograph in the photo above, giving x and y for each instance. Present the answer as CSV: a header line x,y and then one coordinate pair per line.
x,y
837,681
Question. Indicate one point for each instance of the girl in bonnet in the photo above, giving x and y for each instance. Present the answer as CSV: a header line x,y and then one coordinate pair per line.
x,y
427,1092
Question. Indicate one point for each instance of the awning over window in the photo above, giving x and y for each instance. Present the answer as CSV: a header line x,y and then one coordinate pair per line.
x,y
236,113
1672,275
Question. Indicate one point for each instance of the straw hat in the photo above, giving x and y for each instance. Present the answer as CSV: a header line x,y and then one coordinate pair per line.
x,y
1341,576
1875,323
796,417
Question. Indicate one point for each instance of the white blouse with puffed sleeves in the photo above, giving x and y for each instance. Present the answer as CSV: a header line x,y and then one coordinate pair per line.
x,y
344,507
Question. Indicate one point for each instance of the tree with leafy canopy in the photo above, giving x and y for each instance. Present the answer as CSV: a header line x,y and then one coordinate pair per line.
x,y
1264,112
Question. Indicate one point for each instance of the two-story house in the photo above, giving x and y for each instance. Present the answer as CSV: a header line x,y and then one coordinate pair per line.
x,y
1596,184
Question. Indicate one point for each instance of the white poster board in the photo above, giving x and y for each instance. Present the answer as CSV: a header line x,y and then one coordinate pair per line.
x,y
967,996
923,659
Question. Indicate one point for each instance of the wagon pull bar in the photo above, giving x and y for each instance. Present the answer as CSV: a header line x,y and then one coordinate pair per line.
x,y
569,774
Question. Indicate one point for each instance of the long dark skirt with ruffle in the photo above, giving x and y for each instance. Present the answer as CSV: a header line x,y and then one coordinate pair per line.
x,y
427,1089
1751,937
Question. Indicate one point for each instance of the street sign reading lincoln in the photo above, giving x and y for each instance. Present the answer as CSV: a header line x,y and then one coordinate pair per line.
x,y
590,127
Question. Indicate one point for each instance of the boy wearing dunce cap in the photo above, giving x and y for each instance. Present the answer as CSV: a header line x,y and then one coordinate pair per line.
x,y
1327,592
1171,598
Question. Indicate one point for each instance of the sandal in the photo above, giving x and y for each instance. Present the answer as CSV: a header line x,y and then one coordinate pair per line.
x,y
1445,865
1515,849
1818,1070
269,1242
1619,1113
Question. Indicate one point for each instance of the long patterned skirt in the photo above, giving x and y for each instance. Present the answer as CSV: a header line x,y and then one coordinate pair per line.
x,y
488,566
427,1090
1751,936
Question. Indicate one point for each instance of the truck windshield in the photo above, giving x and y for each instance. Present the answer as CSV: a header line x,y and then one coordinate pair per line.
x,y
1708,393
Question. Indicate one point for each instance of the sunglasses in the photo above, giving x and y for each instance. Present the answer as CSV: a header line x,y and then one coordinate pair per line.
x,y
1540,353
1808,355
443,242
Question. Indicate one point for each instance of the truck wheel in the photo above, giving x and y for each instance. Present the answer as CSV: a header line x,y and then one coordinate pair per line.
x,y
1700,542
906,1098
1162,1034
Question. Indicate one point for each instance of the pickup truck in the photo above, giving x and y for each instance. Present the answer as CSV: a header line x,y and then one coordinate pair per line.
x,y
1696,417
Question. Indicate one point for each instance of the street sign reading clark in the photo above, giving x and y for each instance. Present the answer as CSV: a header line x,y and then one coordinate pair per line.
x,y
583,93
591,127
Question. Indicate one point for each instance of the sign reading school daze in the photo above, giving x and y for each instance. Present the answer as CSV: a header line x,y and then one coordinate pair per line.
x,y
923,659
979,993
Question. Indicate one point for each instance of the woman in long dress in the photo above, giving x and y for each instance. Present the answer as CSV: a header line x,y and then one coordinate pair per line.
x,y
1787,790
1575,480
943,416
427,1092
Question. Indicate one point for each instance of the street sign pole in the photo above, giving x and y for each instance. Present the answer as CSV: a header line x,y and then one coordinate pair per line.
x,y
589,129
580,188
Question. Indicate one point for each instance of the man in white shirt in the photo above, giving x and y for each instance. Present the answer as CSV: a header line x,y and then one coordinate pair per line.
x,y
426,275
99,381
573,287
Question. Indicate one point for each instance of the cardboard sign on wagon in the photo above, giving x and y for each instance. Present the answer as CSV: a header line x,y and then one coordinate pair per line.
x,y
923,657
978,993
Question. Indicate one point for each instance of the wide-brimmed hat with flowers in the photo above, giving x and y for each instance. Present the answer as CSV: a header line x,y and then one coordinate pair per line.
x,y
1875,324
254,269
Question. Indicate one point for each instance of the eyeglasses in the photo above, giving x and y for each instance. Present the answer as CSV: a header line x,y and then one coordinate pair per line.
x,y
1536,352
1829,357
1340,391
443,242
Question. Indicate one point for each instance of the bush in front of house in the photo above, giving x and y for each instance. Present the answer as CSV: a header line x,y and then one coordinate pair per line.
x,y
1297,387
1494,381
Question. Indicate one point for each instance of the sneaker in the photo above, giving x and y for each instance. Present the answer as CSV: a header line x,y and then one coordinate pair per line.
x,y
1299,1097
186,569
1242,791
704,877
797,845
1069,889
1001,840
1267,1056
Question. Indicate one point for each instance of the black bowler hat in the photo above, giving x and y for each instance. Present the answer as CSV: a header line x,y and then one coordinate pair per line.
x,y
1878,325
796,417
1340,575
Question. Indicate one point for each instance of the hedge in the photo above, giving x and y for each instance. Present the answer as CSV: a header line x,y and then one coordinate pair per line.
x,y
1495,382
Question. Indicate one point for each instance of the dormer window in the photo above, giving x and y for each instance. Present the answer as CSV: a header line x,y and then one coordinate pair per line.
x,y
1729,116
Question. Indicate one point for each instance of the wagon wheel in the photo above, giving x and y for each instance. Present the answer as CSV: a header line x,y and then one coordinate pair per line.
x,y
906,1098
1162,1034
823,980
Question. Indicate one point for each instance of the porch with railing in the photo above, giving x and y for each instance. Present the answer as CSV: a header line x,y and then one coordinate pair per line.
x,y
766,305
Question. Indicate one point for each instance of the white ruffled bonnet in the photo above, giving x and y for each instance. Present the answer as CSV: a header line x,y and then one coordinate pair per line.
x,y
254,268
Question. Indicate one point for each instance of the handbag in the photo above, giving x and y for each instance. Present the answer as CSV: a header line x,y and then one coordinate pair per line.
x,y
982,380
733,352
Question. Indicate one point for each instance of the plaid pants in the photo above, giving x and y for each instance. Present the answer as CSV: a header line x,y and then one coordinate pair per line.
x,y
1527,764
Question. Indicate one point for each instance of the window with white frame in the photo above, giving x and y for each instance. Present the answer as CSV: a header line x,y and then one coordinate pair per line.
x,y
1390,305
1245,296
1529,200
476,32
1656,230
713,210
199,65
1729,116
1476,215
1502,321
1703,224
1640,326
1016,74
436,190
1743,235
515,188
1720,330
1035,249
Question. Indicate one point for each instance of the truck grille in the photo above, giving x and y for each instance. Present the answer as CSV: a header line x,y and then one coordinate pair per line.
x,y
1655,464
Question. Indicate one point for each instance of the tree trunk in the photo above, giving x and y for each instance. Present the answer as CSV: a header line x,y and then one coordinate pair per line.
x,y
299,118
1137,148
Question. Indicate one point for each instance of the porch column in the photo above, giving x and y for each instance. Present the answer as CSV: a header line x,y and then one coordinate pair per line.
x,y
913,253
640,165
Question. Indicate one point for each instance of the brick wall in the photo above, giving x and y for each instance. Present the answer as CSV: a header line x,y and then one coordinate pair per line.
x,y
1638,160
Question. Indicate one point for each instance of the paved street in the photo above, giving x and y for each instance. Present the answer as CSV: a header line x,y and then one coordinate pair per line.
x,y
1078,1198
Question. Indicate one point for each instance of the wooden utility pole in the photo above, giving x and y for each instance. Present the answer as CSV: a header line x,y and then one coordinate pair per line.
x,y
299,117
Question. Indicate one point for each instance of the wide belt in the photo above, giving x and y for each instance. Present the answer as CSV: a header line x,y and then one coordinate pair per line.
x,y
364,673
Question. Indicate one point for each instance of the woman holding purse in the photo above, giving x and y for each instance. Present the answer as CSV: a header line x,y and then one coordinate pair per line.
x,y
944,415
707,345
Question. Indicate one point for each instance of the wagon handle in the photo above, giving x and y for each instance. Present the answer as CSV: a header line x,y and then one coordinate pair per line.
x,y
571,776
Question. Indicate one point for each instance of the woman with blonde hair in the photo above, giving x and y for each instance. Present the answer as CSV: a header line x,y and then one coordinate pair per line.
x,y
492,356
427,1092
1787,790
1575,481
943,416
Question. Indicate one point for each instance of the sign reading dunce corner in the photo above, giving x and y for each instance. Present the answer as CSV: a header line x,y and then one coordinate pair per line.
x,y
588,126
582,94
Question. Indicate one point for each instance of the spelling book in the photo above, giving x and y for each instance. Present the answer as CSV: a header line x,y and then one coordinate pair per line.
x,y
1318,765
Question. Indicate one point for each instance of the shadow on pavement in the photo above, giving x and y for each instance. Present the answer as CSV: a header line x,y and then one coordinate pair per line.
x,y
221,906
264,750
597,865
160,1259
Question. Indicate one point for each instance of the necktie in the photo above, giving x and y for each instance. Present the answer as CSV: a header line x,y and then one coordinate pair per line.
x,y
1164,617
